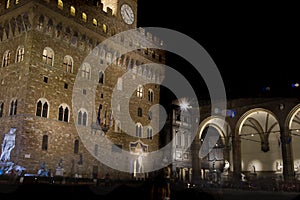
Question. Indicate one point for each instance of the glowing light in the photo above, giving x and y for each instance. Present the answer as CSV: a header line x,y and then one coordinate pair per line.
x,y
184,104
295,85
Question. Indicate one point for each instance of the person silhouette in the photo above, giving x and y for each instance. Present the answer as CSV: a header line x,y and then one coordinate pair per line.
x,y
8,144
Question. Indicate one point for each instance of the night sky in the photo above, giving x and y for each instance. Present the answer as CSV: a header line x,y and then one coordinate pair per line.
x,y
254,46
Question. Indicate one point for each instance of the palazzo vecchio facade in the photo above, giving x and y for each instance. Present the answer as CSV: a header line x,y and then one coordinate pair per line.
x,y
43,44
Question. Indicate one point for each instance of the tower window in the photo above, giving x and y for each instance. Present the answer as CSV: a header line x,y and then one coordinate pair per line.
x,y
7,4
95,22
13,107
68,64
20,54
76,146
1,109
138,130
86,71
45,142
42,108
45,79
48,55
60,4
82,118
150,133
84,17
101,77
140,112
104,28
63,113
139,92
6,59
150,95
72,11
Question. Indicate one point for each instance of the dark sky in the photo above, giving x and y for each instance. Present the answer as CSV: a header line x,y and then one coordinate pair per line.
x,y
253,45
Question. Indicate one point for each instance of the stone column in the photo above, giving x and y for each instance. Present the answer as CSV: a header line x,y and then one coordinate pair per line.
x,y
287,156
236,151
195,147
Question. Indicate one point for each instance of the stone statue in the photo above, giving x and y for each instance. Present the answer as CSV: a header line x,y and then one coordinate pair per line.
x,y
140,162
8,144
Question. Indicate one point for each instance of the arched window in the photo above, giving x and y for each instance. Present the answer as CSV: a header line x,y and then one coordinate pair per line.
x,y
139,92
101,77
82,117
72,11
149,133
76,146
49,26
86,71
60,4
20,54
13,107
150,95
42,108
6,58
40,22
63,113
138,130
48,56
45,143
68,64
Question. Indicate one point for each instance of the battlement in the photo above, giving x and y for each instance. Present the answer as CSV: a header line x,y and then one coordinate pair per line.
x,y
34,16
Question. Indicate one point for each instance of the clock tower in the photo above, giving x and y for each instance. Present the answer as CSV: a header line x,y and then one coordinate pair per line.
x,y
125,10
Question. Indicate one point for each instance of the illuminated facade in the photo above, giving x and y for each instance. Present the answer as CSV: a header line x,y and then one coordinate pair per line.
x,y
42,47
257,139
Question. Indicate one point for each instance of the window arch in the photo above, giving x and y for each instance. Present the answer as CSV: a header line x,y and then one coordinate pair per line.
x,y
150,95
20,54
82,117
48,56
13,107
42,108
6,58
63,113
138,130
45,142
68,64
149,133
86,71
101,77
139,92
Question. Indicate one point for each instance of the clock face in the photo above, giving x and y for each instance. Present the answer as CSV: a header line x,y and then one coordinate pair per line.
x,y
127,14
